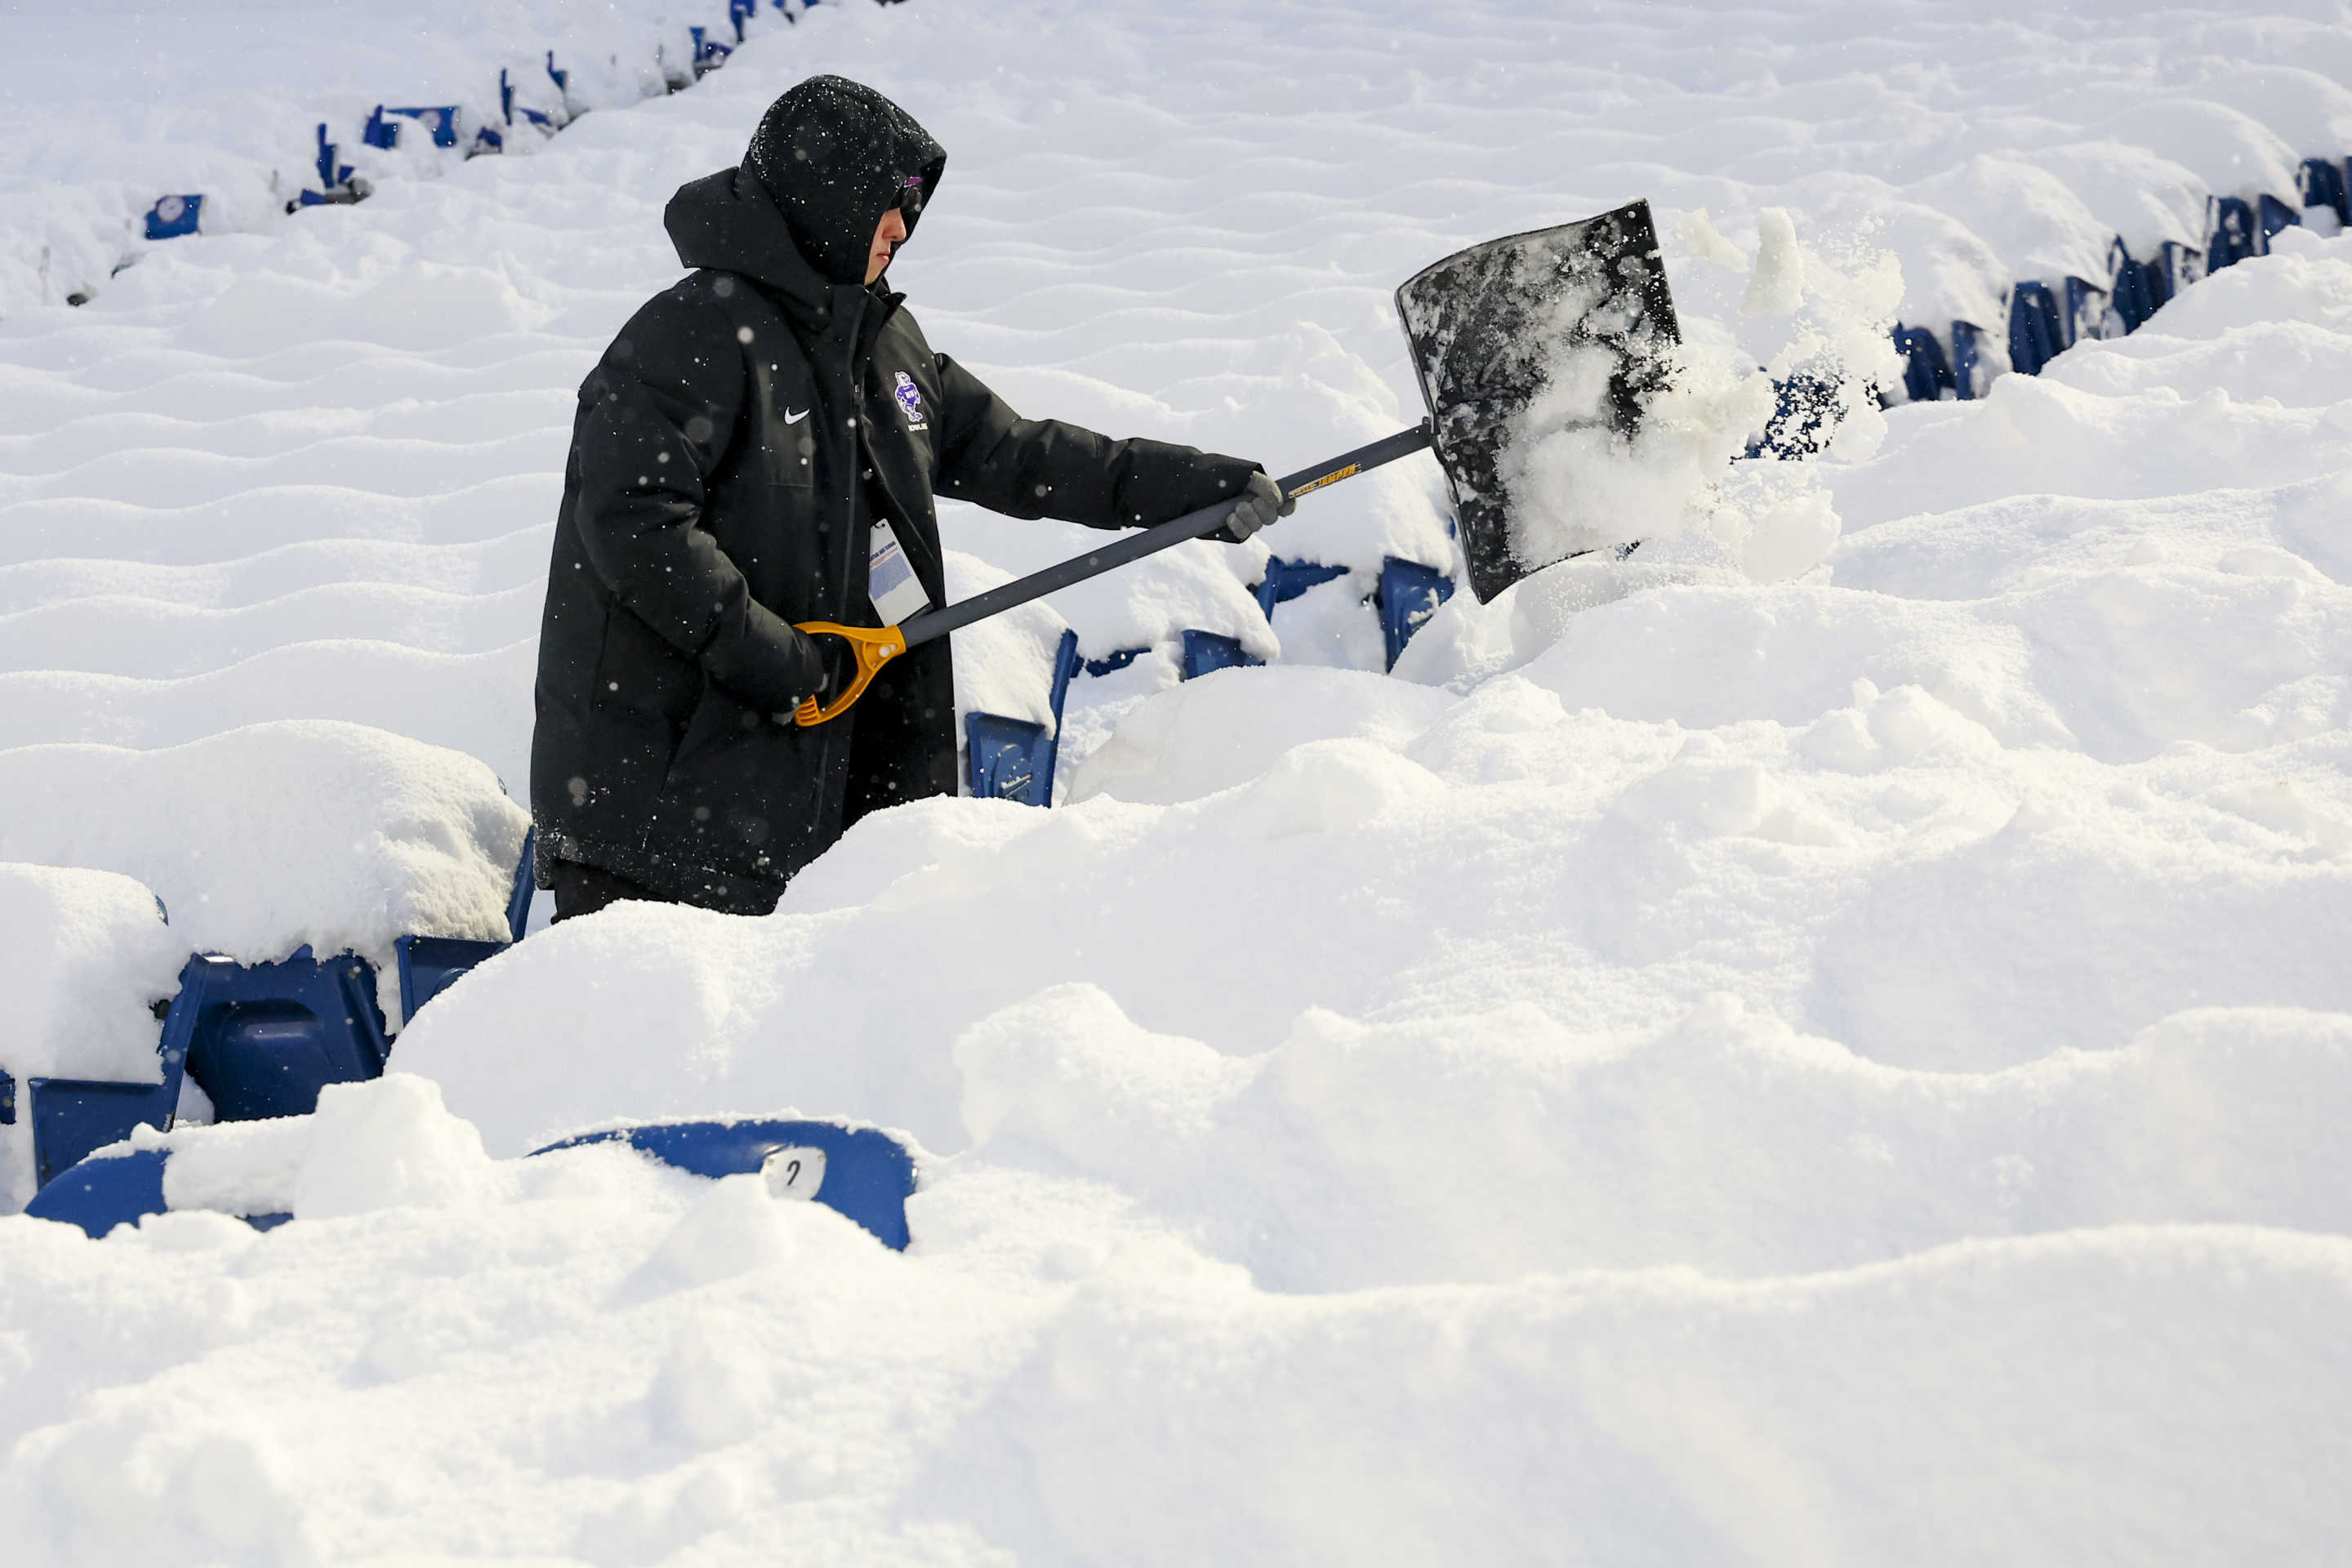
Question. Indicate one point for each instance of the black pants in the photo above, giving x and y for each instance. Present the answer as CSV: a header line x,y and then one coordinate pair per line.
x,y
583,889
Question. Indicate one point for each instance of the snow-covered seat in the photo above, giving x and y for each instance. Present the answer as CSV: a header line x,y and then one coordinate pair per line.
x,y
1207,651
860,1172
1967,360
1408,594
1286,580
2274,218
1926,373
1013,673
2181,265
85,958
2324,183
2235,235
440,121
264,1039
173,217
2134,287
271,845
2082,310
2036,335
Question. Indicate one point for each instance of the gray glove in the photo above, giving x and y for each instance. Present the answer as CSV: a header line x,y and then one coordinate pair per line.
x,y
1261,504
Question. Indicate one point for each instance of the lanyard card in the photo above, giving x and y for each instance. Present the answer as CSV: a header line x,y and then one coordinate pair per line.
x,y
890,582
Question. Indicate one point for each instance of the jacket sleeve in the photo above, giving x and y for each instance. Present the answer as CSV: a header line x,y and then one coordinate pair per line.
x,y
656,417
1042,468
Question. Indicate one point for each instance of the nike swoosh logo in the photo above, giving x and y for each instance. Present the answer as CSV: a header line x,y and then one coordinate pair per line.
x,y
793,418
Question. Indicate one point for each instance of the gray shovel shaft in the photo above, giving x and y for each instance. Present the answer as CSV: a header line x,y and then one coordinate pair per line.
x,y
1126,547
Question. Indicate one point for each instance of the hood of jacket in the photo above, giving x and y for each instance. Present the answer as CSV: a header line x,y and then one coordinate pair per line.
x,y
834,155
727,221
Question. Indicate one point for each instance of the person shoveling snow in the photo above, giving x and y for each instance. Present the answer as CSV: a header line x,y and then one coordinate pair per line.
x,y
760,447
754,464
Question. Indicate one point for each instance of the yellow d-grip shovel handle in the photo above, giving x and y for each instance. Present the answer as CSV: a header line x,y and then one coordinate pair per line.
x,y
876,645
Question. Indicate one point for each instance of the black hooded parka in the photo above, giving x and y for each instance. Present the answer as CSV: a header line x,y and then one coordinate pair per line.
x,y
729,455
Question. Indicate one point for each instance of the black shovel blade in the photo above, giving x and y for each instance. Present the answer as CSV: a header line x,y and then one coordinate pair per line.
x,y
1489,326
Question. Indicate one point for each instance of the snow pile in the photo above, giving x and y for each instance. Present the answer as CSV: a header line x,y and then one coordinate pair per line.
x,y
263,839
670,1368
1868,937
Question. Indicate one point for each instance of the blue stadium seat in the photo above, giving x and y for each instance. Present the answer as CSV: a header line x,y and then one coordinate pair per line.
x,y
98,1194
2274,218
441,121
331,172
2182,265
2082,311
861,1173
1967,359
508,107
710,53
1118,660
2235,236
260,1039
173,217
1012,758
268,1037
1205,651
335,185
431,964
1286,580
1007,759
2133,286
1408,596
2323,184
73,1116
1926,373
2034,333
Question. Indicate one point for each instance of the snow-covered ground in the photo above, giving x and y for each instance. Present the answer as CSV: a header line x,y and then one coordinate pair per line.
x,y
1827,1041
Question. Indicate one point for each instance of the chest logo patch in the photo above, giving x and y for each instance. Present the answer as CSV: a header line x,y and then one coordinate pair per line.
x,y
911,401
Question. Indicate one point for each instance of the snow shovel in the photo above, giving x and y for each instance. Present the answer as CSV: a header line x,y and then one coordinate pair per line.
x,y
1490,329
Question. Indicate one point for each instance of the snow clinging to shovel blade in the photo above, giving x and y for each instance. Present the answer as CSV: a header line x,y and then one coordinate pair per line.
x,y
1577,479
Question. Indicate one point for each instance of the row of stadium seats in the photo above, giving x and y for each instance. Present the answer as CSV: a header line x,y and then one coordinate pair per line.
x,y
2046,320
260,1039
1012,758
451,126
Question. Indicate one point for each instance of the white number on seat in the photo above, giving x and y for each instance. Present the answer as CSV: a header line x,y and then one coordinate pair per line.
x,y
794,1173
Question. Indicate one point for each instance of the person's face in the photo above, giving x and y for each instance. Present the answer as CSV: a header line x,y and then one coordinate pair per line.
x,y
886,235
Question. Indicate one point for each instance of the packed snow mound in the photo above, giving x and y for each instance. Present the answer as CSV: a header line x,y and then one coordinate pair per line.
x,y
263,839
680,1369
83,955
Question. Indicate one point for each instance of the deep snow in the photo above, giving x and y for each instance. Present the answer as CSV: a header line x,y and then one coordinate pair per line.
x,y
1825,1041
